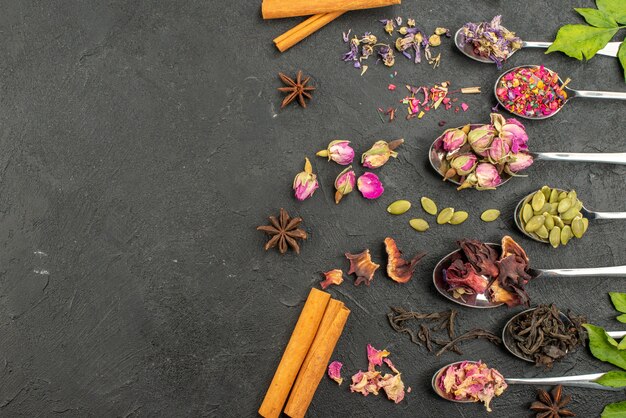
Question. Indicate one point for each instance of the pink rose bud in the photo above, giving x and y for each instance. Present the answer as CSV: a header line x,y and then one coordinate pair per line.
x,y
339,151
305,182
453,139
480,139
499,151
487,176
370,186
514,133
519,162
464,164
498,121
380,152
344,183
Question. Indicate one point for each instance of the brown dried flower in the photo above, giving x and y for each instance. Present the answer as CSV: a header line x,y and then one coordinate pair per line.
x,y
398,269
362,265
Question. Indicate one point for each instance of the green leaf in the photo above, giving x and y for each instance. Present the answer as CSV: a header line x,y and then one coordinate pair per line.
x,y
615,410
604,347
622,344
614,379
597,18
621,54
577,41
621,318
619,301
614,8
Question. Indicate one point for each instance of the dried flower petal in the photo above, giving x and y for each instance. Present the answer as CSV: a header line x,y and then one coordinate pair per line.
x,y
471,381
375,357
370,186
362,266
334,371
398,269
462,275
393,387
481,256
332,277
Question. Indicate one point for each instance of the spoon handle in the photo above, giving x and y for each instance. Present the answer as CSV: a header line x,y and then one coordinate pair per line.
x,y
583,381
615,95
616,271
610,158
608,215
609,50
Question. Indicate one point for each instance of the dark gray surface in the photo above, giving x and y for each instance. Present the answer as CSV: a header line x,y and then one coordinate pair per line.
x,y
142,144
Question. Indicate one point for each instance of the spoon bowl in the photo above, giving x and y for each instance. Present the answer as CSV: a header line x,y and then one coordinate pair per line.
x,y
468,50
476,300
441,393
437,155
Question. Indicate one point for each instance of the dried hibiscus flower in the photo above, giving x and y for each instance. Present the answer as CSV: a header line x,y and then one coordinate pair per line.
x,y
332,277
481,256
334,371
463,279
363,266
398,269
513,275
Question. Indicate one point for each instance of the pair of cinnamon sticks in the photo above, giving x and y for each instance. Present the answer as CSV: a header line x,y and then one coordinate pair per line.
x,y
323,11
306,356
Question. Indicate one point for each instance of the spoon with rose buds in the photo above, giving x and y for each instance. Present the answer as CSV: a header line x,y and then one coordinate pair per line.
x,y
468,50
440,160
586,213
502,94
482,300
509,340
583,381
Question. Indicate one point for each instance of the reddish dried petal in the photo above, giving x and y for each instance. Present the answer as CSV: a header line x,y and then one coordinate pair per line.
x,y
362,265
332,277
398,269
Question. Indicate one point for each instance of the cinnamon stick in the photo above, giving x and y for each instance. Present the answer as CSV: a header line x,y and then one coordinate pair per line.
x,y
295,353
273,9
304,29
316,360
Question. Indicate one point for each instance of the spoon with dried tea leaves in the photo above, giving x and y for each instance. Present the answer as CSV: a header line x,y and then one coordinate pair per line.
x,y
568,93
481,300
437,158
583,381
609,50
509,339
586,213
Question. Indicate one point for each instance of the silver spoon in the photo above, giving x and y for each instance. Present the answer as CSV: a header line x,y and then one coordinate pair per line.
x,y
480,300
436,156
589,214
467,49
509,342
582,381
571,93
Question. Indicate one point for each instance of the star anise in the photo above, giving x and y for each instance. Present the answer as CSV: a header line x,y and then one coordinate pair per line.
x,y
552,405
297,89
284,232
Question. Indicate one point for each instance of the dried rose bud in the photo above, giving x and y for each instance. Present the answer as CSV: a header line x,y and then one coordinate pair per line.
x,y
514,133
519,162
464,164
480,139
380,152
344,183
370,186
498,121
339,151
499,151
453,139
305,183
332,277
485,177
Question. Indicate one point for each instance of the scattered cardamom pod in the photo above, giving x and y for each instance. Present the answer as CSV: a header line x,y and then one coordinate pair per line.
x,y
399,207
429,206
490,215
419,224
445,215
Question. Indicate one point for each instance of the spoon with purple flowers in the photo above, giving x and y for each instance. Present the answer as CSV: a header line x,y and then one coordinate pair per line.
x,y
490,42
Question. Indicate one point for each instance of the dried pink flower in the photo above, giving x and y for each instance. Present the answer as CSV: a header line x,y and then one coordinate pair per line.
x,y
332,277
305,183
334,371
339,151
370,186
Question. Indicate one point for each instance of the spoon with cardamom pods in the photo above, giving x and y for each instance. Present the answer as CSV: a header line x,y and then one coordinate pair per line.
x,y
555,216
483,291
521,337
462,167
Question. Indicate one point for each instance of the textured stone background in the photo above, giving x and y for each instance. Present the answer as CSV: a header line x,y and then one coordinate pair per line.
x,y
142,143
